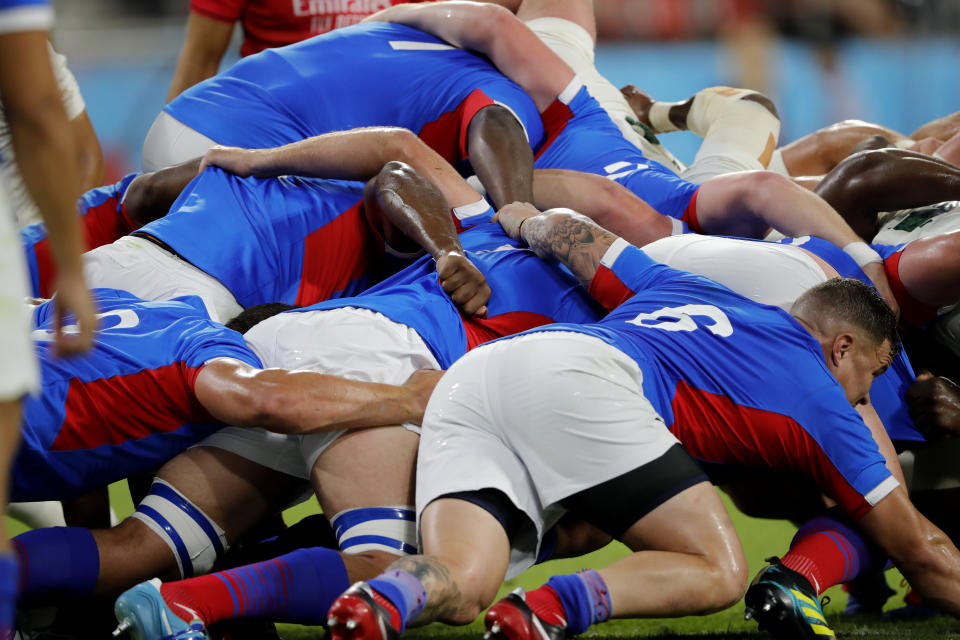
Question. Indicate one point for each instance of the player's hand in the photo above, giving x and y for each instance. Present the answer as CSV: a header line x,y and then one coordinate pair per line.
x,y
639,101
512,215
73,298
464,283
934,404
926,145
232,159
878,276
420,385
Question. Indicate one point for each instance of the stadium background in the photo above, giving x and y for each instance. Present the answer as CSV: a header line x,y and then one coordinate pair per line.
x,y
887,61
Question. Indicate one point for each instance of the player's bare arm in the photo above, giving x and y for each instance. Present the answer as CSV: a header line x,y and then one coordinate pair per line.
x,y
608,203
400,199
560,234
866,183
206,42
934,404
922,552
150,195
298,402
942,128
357,154
498,34
45,154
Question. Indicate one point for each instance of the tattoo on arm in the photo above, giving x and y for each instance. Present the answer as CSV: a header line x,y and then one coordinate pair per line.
x,y
573,239
443,594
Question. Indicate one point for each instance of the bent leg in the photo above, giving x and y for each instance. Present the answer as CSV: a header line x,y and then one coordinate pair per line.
x,y
688,560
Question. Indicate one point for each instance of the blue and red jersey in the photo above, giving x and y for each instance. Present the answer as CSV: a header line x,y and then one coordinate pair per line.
x,y
127,405
714,370
372,74
102,220
288,239
581,137
889,389
526,292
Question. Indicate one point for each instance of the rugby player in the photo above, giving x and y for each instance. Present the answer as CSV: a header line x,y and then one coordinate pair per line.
x,y
160,377
293,238
456,102
581,137
40,134
404,321
677,330
87,154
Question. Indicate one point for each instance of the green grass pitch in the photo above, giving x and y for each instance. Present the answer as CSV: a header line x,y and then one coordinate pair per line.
x,y
761,538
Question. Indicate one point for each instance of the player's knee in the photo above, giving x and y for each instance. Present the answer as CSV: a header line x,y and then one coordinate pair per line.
x,y
727,579
764,102
193,537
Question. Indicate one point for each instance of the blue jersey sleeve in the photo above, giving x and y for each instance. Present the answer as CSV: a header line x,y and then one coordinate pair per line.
x,y
624,271
25,15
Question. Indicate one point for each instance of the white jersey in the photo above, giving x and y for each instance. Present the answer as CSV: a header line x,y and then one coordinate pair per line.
x,y
23,206
907,225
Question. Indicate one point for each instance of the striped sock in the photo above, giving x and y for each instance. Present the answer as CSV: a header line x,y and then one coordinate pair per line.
x,y
296,587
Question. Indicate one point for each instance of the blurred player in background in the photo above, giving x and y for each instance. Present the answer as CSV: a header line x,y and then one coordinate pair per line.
x,y
46,157
266,24
89,157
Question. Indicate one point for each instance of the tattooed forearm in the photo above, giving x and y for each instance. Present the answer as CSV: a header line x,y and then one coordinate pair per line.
x,y
443,594
573,239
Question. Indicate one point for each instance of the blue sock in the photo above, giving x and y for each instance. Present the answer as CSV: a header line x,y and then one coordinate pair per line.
x,y
8,593
404,591
56,564
585,599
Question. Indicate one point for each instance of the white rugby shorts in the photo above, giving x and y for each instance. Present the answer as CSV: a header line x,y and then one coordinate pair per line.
x,y
787,270
539,417
149,272
171,142
349,342
20,373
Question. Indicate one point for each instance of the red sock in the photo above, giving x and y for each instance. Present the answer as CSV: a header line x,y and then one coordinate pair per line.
x,y
205,597
545,602
820,558
395,619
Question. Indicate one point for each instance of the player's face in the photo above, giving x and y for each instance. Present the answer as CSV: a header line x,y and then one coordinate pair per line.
x,y
857,371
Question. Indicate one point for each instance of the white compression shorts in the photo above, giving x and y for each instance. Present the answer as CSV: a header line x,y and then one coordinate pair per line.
x,y
353,343
539,417
787,270
139,266
171,142
20,373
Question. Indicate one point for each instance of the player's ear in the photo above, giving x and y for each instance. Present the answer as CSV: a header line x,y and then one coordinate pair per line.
x,y
843,345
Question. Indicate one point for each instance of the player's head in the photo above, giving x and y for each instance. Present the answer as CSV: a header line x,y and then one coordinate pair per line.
x,y
855,328
249,318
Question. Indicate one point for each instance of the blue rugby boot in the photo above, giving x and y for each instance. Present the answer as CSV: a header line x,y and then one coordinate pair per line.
x,y
143,613
785,604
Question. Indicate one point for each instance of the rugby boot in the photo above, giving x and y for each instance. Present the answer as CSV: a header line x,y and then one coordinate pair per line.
x,y
356,615
144,614
511,618
785,604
